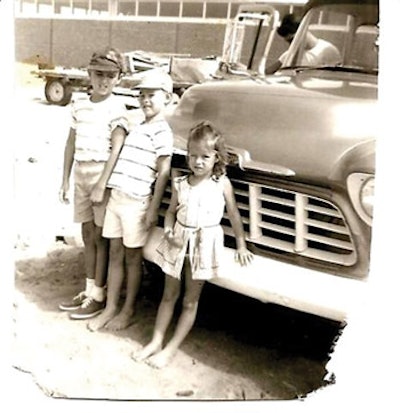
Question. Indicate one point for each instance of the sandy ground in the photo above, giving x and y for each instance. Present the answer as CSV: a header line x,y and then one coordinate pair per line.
x,y
219,360
235,352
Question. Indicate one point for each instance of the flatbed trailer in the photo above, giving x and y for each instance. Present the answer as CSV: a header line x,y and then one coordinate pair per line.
x,y
61,82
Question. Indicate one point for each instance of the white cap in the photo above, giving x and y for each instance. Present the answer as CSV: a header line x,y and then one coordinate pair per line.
x,y
156,79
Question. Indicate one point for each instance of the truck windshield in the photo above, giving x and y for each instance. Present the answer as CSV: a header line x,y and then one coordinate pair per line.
x,y
333,37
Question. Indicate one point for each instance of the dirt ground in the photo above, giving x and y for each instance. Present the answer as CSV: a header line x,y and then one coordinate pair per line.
x,y
214,362
235,351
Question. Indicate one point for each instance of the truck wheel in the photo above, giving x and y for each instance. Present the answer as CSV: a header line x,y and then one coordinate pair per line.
x,y
58,92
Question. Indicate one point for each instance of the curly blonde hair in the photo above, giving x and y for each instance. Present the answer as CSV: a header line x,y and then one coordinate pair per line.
x,y
206,131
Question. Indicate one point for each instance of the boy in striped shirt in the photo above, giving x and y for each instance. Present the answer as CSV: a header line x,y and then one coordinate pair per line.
x,y
137,185
99,125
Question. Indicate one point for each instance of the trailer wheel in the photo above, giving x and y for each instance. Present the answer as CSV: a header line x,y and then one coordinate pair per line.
x,y
58,92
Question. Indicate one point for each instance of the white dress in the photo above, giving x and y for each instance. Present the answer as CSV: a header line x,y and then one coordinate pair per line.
x,y
199,213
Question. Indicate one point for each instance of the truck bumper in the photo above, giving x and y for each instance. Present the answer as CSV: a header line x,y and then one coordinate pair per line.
x,y
272,281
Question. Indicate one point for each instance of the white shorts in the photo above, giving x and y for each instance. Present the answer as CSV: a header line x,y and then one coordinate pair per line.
x,y
86,176
125,218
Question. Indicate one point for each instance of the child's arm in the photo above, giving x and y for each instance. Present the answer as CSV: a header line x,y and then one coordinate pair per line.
x,y
170,219
163,167
243,255
117,141
68,162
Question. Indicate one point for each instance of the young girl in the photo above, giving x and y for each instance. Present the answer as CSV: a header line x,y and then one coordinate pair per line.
x,y
193,238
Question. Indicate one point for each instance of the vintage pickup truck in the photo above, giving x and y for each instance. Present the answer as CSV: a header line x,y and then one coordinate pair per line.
x,y
302,146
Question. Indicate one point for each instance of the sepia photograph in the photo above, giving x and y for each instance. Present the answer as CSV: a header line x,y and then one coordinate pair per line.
x,y
278,115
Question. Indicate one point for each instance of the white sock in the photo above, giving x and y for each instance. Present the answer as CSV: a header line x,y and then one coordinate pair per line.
x,y
98,293
89,286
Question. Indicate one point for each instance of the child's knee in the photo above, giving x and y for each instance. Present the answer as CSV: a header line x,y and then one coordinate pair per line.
x,y
116,251
88,233
190,304
133,256
100,240
171,295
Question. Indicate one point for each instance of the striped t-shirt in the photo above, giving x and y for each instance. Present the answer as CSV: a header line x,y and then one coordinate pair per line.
x,y
136,169
93,124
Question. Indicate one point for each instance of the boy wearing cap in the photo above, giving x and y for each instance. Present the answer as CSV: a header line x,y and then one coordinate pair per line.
x,y
98,128
137,185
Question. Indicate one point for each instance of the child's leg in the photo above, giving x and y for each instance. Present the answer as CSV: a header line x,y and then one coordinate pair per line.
x,y
88,237
186,320
96,254
133,265
165,312
115,279
102,254
101,263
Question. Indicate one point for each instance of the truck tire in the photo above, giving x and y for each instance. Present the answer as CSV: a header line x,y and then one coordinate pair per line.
x,y
58,91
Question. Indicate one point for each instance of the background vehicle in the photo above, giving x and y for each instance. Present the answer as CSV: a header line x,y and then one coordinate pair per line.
x,y
302,144
247,36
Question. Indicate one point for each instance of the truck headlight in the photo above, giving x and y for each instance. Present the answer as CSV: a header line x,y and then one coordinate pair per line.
x,y
361,187
367,196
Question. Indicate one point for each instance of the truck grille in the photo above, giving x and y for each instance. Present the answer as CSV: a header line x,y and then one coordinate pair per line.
x,y
281,220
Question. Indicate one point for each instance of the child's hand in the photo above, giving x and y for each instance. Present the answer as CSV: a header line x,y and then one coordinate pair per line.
x,y
63,194
243,256
150,219
173,239
97,194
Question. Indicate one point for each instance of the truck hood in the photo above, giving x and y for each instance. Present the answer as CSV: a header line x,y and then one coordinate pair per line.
x,y
304,122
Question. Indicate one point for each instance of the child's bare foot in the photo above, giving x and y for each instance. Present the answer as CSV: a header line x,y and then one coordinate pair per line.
x,y
161,359
101,320
146,351
120,321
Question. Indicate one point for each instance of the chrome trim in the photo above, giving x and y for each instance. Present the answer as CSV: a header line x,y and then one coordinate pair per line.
x,y
355,182
281,220
244,161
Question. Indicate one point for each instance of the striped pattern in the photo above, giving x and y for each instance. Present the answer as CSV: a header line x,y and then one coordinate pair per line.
x,y
94,123
136,168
